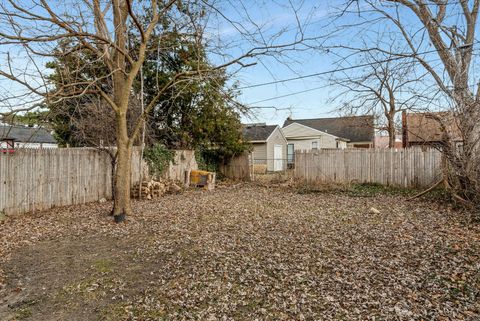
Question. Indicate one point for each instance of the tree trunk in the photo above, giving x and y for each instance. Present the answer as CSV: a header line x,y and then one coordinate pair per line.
x,y
391,132
121,93
112,181
122,207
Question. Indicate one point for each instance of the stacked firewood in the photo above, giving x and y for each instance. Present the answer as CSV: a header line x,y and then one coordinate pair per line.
x,y
152,189
157,189
142,190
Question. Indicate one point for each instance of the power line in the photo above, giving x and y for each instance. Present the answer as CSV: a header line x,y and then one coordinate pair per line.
x,y
312,75
300,77
290,94
337,70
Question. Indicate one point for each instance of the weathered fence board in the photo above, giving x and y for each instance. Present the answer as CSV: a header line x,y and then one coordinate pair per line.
x,y
412,167
183,162
39,179
237,168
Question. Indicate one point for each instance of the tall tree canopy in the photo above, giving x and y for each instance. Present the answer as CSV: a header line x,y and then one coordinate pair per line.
x,y
102,30
197,112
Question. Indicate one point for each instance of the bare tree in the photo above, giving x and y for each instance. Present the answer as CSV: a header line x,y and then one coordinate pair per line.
x,y
41,27
384,87
440,35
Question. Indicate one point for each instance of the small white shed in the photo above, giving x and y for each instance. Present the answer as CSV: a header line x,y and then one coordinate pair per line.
x,y
269,145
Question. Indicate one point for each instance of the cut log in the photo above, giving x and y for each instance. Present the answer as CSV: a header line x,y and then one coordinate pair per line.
x,y
174,188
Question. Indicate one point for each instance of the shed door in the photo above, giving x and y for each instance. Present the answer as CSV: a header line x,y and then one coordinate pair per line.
x,y
277,157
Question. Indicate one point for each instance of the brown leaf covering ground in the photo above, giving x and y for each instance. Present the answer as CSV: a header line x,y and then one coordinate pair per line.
x,y
244,253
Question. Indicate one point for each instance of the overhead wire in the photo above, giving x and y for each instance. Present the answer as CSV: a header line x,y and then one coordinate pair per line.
x,y
325,73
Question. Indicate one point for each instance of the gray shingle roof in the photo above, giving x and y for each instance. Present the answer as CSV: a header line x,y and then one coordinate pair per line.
x,y
26,134
354,128
258,132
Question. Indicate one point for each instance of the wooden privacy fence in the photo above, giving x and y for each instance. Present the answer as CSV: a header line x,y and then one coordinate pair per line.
x,y
411,167
183,162
237,168
39,179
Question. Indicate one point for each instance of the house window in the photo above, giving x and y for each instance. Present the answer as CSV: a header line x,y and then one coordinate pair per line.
x,y
290,153
314,145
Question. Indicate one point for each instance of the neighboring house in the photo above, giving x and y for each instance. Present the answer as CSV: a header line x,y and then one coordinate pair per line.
x,y
425,129
269,145
382,141
301,137
26,137
353,131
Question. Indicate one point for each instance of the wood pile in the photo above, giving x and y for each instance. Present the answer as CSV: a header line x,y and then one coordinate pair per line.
x,y
153,189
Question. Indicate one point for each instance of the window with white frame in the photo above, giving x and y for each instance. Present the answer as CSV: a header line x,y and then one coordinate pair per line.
x,y
314,145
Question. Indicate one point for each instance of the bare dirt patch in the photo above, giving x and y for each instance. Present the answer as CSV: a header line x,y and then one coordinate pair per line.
x,y
243,253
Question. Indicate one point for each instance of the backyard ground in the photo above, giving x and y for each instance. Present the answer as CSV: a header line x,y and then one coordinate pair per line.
x,y
244,252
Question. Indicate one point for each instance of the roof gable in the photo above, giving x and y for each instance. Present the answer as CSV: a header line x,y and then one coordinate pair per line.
x,y
280,133
354,128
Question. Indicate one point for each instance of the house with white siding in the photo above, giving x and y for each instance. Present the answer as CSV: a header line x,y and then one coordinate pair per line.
x,y
327,133
26,137
301,137
269,145
359,131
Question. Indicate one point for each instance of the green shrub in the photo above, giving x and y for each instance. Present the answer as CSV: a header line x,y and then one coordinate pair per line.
x,y
158,157
207,160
